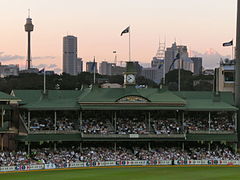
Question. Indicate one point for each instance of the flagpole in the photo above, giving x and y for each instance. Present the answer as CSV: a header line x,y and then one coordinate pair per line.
x,y
94,71
179,73
232,50
2,117
44,82
129,44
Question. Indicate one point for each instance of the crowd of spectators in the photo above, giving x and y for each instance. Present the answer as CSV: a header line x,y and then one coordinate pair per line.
x,y
219,122
48,124
65,124
93,126
41,124
70,155
131,126
167,127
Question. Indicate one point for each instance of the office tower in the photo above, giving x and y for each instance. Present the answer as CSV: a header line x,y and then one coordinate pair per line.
x,y
90,67
170,55
70,55
154,74
9,70
79,65
197,62
105,68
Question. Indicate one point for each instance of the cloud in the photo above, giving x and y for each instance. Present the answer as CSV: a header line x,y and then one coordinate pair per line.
x,y
211,57
8,57
43,57
47,66
40,66
58,70
51,66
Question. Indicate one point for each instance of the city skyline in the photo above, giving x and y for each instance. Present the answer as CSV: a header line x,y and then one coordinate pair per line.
x,y
202,29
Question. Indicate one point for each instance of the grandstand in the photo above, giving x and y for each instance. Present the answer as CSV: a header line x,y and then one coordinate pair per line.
x,y
96,124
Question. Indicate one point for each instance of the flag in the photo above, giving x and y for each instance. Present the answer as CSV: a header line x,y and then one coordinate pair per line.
x,y
230,43
41,71
125,30
93,64
176,58
160,64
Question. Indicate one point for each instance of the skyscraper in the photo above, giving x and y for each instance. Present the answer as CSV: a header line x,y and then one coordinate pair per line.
x,y
197,61
170,55
79,65
105,68
89,67
70,55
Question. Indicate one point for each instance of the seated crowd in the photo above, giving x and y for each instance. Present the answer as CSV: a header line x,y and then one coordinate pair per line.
x,y
217,123
167,127
70,155
93,126
134,126
47,124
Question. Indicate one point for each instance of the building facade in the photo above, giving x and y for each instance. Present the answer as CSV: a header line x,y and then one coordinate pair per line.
x,y
9,70
90,67
105,68
197,63
70,55
79,65
225,76
154,74
170,55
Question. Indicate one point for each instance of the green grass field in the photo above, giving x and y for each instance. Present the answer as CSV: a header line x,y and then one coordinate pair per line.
x,y
166,173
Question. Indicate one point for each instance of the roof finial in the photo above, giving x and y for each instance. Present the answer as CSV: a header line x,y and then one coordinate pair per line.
x,y
28,13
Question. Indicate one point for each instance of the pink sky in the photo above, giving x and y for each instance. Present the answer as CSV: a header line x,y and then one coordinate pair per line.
x,y
199,24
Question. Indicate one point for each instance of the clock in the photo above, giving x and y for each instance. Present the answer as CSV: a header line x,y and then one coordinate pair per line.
x,y
130,78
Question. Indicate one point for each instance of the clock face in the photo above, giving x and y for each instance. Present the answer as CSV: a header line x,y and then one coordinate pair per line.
x,y
130,78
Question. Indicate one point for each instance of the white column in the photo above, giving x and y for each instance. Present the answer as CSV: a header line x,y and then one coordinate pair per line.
x,y
149,146
80,120
183,120
149,121
1,142
55,121
235,121
55,146
29,148
29,120
115,146
115,122
2,117
209,121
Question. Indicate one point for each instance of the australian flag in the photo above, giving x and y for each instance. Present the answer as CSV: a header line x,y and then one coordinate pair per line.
x,y
41,71
230,43
125,30
93,64
176,58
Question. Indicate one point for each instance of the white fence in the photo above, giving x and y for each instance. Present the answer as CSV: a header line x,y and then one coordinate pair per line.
x,y
116,163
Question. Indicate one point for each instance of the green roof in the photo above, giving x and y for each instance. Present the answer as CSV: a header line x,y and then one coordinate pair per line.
x,y
104,98
53,100
6,97
130,98
207,100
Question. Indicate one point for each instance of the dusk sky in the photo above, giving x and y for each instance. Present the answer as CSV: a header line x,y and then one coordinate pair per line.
x,y
202,25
